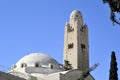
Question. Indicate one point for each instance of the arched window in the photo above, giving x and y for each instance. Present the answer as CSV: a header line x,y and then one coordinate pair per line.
x,y
23,65
50,66
37,65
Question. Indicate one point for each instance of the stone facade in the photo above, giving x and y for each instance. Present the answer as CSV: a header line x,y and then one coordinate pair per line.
x,y
76,49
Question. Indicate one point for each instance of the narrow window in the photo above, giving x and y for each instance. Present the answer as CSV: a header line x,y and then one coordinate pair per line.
x,y
70,29
82,29
36,64
23,65
70,46
50,66
83,47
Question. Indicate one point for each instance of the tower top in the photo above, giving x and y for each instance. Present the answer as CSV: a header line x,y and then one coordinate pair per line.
x,y
76,15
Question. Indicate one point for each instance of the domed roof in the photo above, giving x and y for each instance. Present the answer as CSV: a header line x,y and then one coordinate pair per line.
x,y
75,13
37,59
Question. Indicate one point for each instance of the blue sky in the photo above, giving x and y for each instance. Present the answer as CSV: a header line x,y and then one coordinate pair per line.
x,y
28,26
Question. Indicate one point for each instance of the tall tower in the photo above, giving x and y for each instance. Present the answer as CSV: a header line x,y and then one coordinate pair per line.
x,y
76,49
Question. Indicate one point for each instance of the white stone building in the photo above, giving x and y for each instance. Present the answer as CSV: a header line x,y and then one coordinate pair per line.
x,y
39,66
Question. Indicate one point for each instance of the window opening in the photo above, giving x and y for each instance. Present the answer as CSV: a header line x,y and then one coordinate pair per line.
x,y
70,46
70,29
82,29
83,47
23,65
36,64
50,66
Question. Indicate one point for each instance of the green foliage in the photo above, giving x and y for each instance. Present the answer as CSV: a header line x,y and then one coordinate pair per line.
x,y
115,8
67,65
113,67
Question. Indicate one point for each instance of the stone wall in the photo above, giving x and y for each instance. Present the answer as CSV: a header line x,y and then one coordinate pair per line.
x,y
41,70
7,76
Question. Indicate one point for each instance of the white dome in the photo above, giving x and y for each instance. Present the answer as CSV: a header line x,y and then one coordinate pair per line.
x,y
37,59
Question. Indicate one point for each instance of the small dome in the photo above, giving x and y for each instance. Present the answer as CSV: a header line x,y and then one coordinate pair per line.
x,y
37,60
75,13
